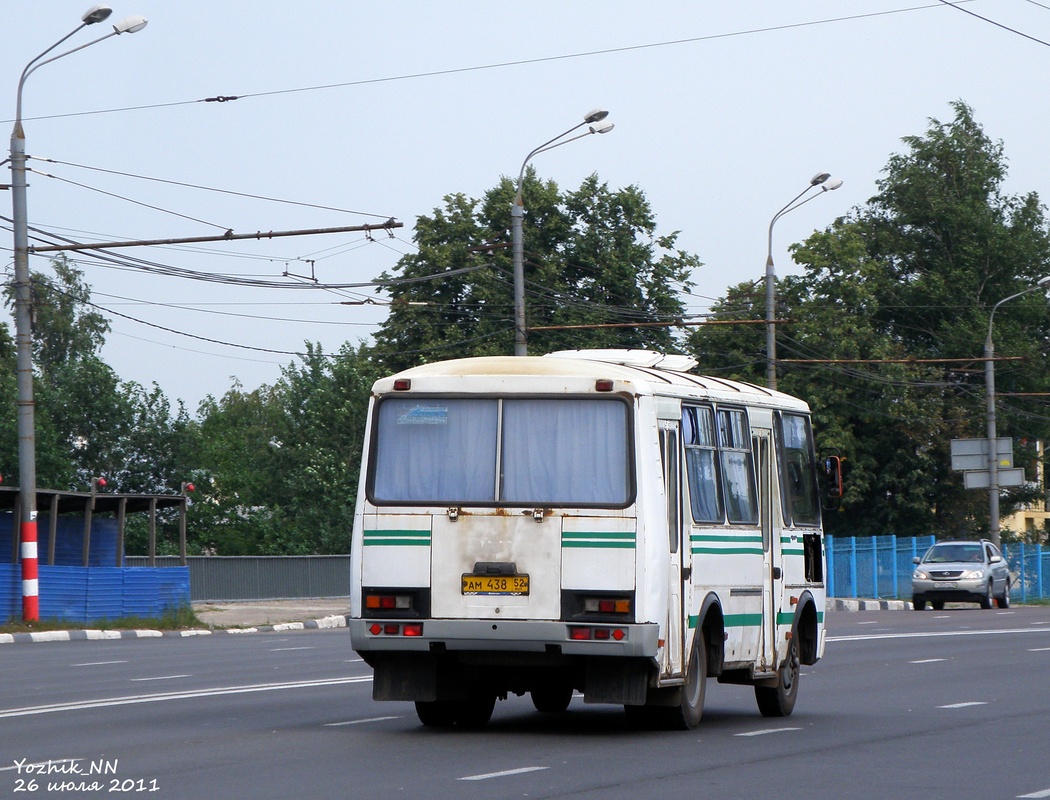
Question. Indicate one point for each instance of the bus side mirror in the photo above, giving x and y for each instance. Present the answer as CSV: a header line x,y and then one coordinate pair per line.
x,y
833,476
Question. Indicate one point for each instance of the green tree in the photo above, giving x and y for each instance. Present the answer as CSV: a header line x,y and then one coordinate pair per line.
x,y
277,467
592,256
899,292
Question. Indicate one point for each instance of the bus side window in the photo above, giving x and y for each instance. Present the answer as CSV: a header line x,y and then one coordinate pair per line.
x,y
701,463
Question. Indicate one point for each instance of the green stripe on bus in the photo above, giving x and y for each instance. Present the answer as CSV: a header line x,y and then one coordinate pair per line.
x,y
396,538
603,540
743,620
602,545
715,537
725,551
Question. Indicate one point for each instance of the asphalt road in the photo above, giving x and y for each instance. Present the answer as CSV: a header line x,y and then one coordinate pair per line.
x,y
904,705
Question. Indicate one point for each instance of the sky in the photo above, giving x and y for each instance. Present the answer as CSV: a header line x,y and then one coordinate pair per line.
x,y
352,113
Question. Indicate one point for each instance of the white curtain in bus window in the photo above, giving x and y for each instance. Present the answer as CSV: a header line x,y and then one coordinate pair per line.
x,y
436,450
738,469
698,434
797,472
565,451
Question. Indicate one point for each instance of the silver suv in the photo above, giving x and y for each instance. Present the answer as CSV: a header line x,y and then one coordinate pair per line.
x,y
967,572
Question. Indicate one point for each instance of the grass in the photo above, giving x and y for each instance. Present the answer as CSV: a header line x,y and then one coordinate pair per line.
x,y
173,619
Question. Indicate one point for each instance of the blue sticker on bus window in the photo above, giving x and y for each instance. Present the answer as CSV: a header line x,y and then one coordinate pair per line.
x,y
424,415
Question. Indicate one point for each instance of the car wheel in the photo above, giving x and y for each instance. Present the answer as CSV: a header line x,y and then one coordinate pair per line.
x,y
780,701
937,605
986,598
1003,600
918,603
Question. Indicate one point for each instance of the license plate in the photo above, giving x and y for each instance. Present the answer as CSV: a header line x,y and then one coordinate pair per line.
x,y
945,585
496,584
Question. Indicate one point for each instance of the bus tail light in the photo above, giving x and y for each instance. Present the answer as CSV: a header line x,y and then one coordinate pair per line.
x,y
388,602
396,602
580,633
396,629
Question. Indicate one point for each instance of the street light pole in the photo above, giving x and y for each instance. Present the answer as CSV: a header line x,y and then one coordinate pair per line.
x,y
23,318
594,121
989,398
827,184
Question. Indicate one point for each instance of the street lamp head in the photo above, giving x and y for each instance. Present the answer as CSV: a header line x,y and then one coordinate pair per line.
x,y
96,14
603,127
1043,281
595,115
819,178
130,25
832,185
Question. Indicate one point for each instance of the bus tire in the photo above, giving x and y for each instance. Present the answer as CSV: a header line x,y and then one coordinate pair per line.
x,y
551,698
436,714
687,715
476,711
779,701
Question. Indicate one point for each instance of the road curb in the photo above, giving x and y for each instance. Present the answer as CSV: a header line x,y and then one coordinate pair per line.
x,y
850,604
336,621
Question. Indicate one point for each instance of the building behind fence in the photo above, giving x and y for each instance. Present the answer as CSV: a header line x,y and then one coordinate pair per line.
x,y
880,567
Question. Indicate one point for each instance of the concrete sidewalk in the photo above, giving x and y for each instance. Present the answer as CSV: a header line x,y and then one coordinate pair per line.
x,y
265,613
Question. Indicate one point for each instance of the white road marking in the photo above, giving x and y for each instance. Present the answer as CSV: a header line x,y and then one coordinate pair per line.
x,y
283,649
966,705
1038,649
1035,795
929,634
184,695
357,721
869,622
160,678
927,661
764,731
503,774
98,663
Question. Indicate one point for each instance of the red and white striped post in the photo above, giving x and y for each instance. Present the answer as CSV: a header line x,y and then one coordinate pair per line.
x,y
30,579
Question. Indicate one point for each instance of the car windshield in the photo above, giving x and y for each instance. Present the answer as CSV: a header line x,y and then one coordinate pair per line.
x,y
954,553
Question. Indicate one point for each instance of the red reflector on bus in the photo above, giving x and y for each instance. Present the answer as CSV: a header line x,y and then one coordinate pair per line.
x,y
601,633
402,385
391,630
413,629
579,633
619,634
603,385
375,629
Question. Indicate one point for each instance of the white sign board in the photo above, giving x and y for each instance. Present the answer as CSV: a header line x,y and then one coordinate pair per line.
x,y
980,479
972,454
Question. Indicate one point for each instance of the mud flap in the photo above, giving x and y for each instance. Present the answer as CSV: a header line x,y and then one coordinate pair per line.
x,y
619,681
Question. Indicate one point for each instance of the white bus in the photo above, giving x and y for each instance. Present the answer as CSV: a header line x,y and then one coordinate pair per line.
x,y
602,522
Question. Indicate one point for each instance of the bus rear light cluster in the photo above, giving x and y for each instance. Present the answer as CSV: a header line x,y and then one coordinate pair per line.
x,y
396,629
579,633
388,602
607,605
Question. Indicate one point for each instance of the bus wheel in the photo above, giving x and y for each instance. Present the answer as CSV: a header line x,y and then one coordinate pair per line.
x,y
476,711
436,714
551,698
780,701
687,715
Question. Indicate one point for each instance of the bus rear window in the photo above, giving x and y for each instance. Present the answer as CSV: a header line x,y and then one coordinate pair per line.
x,y
534,452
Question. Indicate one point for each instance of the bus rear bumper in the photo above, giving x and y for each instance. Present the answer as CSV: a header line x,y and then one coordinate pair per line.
x,y
636,640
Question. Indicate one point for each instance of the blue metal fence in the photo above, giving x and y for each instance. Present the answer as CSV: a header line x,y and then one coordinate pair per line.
x,y
880,567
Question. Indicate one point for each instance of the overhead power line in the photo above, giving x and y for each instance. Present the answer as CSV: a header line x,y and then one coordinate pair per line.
x,y
227,99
